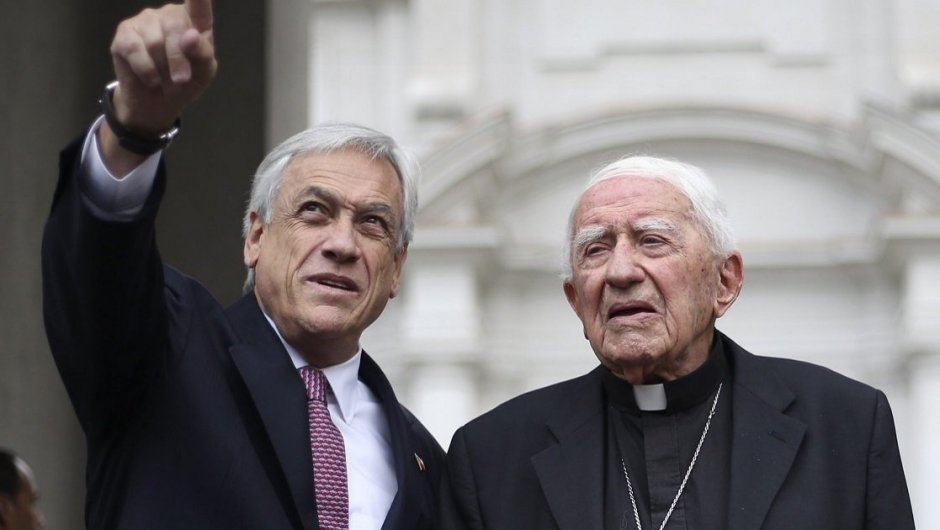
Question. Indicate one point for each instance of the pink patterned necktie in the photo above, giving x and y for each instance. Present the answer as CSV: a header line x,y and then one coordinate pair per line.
x,y
329,455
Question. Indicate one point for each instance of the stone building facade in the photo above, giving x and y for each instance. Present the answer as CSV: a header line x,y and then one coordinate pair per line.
x,y
818,120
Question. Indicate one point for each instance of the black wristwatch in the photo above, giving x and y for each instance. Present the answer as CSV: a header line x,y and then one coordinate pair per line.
x,y
130,140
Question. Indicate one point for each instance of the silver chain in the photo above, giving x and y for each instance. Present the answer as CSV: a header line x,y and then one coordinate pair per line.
x,y
636,513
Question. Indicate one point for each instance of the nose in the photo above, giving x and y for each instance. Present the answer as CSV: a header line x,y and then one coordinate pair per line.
x,y
341,243
623,268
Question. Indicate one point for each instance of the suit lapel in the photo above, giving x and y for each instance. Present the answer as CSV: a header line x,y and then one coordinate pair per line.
x,y
765,442
405,511
571,472
279,398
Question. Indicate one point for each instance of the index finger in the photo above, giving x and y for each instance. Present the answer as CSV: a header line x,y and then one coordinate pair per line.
x,y
200,13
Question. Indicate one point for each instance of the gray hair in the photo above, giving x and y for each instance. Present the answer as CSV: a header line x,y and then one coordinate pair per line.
x,y
691,181
328,138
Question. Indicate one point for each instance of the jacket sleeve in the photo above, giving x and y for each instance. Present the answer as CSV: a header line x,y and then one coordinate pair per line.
x,y
888,503
103,303
460,507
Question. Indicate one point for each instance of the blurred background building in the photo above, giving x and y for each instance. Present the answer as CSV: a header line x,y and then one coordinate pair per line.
x,y
819,120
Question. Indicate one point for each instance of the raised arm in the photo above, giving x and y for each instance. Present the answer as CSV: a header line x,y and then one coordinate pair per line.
x,y
107,303
164,59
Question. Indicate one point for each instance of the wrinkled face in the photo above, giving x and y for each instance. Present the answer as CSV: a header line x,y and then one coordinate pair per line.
x,y
646,284
326,265
21,512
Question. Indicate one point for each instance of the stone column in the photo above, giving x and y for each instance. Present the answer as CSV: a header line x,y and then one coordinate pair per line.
x,y
441,338
922,459
921,314
441,326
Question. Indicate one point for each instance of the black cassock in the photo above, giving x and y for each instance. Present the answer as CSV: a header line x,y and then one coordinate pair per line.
x,y
657,448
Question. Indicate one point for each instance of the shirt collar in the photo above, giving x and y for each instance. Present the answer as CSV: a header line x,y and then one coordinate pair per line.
x,y
343,377
679,394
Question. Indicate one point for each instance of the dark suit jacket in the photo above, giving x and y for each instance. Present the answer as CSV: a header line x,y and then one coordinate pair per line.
x,y
194,416
811,450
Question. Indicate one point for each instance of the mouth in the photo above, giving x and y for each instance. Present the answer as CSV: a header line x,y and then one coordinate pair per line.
x,y
633,309
334,281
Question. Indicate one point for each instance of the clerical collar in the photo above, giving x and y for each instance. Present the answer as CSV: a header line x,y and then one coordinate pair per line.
x,y
680,394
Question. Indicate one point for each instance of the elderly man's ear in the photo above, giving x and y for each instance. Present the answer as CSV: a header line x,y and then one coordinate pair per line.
x,y
252,247
731,278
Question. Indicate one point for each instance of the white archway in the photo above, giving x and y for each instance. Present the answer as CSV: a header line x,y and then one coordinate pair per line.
x,y
840,230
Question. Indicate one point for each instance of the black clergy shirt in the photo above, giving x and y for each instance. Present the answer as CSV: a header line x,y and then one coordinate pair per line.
x,y
657,447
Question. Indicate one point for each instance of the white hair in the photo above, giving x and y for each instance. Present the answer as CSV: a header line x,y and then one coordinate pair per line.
x,y
691,181
328,138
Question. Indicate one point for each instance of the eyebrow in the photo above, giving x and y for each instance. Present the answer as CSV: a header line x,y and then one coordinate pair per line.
x,y
317,191
330,196
376,208
587,235
647,225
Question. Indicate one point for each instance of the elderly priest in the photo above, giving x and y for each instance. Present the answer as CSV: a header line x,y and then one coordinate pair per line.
x,y
679,427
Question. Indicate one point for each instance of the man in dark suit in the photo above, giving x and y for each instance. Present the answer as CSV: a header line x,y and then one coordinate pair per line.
x,y
679,427
265,415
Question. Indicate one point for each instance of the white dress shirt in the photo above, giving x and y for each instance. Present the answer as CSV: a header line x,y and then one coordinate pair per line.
x,y
354,408
358,415
108,197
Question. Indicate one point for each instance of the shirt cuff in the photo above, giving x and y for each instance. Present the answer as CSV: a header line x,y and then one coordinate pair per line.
x,y
110,198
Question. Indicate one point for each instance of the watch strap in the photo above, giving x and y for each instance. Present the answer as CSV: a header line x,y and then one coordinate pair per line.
x,y
128,139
